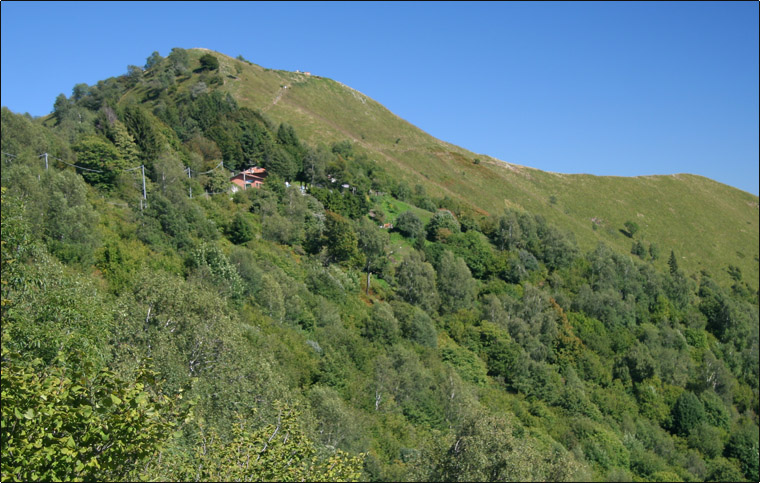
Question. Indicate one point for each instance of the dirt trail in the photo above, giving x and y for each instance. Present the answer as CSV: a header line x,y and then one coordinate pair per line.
x,y
277,98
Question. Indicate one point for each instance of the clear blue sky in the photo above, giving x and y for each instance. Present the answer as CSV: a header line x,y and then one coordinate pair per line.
x,y
604,88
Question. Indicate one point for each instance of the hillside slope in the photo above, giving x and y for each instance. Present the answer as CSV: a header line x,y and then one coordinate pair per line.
x,y
286,334
707,224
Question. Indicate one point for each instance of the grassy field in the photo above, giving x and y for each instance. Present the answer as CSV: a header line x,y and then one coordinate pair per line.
x,y
707,224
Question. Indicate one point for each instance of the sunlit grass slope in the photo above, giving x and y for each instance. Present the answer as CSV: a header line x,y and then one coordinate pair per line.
x,y
707,224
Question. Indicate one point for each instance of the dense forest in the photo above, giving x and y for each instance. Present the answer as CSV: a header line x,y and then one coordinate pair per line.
x,y
337,324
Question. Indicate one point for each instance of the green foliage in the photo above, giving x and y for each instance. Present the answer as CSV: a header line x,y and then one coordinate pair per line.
x,y
179,60
640,363
474,248
673,263
16,246
55,310
507,233
722,469
441,226
25,139
217,182
409,224
65,218
743,445
209,62
631,228
240,230
103,161
330,282
340,238
593,351
488,448
280,229
654,251
688,413
455,284
416,282
282,163
210,261
80,425
416,325
169,218
145,132
338,424
709,440
154,60
373,244
716,412
280,451
467,364
638,249
382,325
558,250
123,142
344,203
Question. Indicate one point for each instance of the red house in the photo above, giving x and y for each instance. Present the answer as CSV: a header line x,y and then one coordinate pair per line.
x,y
249,178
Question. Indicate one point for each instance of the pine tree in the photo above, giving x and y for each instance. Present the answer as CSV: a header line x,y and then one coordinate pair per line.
x,y
673,263
124,143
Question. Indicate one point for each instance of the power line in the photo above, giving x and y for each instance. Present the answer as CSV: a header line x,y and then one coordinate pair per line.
x,y
79,167
145,194
47,155
221,163
142,168
9,155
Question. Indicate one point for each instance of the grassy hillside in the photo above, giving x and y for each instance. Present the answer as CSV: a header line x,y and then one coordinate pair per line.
x,y
707,224
157,327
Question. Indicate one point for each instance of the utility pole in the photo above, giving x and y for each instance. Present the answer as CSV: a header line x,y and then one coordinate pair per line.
x,y
145,196
190,188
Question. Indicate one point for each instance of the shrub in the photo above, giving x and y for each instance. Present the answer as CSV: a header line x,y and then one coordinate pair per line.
x,y
687,413
209,62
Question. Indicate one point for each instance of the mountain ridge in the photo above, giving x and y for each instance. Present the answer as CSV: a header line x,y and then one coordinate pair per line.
x,y
321,108
324,110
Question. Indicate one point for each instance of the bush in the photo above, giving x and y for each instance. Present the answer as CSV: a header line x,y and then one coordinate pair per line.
x,y
687,413
66,425
415,324
416,280
743,445
707,439
382,325
209,62
441,225
631,228
240,229
409,224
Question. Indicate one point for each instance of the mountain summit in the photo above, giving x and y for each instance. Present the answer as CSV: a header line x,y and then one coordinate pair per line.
x,y
710,225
